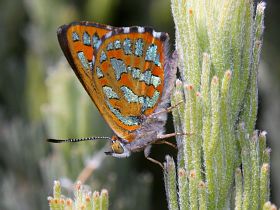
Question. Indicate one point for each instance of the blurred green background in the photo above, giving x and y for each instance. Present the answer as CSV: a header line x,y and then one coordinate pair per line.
x,y
40,97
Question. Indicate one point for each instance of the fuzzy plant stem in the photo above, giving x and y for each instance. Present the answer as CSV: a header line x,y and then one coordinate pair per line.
x,y
170,182
219,46
82,200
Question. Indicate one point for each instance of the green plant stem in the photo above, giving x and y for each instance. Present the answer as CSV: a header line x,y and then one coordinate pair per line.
x,y
183,185
264,184
193,187
170,182
202,196
104,200
238,189
255,171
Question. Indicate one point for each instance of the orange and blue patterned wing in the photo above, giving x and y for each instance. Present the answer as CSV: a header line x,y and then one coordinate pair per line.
x,y
128,77
79,41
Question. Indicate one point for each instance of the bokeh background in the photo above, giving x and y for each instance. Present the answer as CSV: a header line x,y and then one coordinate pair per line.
x,y
41,98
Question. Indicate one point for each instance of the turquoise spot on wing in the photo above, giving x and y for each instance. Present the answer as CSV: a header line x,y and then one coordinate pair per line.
x,y
129,120
110,93
99,73
75,36
103,57
141,100
136,73
119,67
155,81
117,44
129,69
86,38
146,101
90,65
129,95
95,41
139,47
156,61
151,53
83,59
127,46
146,77
150,102
149,78
110,46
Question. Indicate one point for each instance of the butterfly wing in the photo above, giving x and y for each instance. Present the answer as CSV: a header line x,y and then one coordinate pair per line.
x,y
128,77
79,41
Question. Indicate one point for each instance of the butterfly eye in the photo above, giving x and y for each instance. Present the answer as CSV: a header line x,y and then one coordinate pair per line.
x,y
117,147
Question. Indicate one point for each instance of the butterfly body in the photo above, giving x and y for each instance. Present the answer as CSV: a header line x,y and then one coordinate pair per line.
x,y
127,74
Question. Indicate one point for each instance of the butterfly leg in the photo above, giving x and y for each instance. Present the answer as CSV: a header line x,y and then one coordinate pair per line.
x,y
160,140
166,142
169,135
147,152
169,109
165,136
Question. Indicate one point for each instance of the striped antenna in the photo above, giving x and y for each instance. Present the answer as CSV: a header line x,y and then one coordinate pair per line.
x,y
78,140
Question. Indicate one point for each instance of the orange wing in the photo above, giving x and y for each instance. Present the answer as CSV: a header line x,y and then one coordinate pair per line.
x,y
128,77
78,42
122,69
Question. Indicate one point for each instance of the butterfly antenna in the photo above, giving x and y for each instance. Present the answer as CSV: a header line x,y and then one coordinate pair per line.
x,y
78,140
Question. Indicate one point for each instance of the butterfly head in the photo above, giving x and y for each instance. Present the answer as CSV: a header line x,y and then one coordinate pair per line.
x,y
119,148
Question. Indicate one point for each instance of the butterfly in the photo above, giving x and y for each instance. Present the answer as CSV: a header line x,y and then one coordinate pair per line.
x,y
128,75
